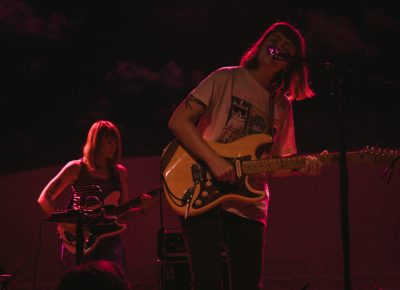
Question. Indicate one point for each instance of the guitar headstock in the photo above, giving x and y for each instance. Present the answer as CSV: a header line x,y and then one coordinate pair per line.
x,y
376,155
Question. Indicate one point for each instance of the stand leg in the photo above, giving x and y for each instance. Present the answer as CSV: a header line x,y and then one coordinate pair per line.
x,y
79,241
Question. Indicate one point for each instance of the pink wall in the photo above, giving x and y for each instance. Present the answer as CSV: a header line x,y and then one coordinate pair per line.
x,y
303,238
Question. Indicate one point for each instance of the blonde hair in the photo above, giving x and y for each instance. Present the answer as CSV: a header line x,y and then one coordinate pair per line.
x,y
91,148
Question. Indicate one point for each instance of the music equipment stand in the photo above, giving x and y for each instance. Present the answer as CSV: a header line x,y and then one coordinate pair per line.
x,y
80,218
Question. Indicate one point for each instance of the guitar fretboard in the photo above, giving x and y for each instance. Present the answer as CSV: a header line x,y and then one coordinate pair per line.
x,y
296,162
118,210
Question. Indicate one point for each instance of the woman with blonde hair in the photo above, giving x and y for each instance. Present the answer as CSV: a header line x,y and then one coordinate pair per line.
x,y
97,178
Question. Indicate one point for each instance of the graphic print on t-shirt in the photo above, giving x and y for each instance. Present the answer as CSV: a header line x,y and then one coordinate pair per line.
x,y
243,119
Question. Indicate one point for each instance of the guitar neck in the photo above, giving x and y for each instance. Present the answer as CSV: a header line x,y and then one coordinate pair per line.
x,y
119,210
293,162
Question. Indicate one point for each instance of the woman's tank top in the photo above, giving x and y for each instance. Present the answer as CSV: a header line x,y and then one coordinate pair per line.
x,y
89,191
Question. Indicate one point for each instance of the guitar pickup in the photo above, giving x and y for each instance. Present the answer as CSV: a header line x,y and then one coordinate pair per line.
x,y
196,173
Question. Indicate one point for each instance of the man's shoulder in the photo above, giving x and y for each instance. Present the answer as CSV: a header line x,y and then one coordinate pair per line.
x,y
226,71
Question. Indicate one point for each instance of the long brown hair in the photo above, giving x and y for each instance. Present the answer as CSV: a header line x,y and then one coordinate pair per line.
x,y
92,146
294,80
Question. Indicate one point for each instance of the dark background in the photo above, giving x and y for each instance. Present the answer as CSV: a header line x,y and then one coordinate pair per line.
x,y
66,64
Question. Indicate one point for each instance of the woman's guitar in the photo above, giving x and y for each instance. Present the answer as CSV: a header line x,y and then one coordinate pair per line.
x,y
190,188
106,226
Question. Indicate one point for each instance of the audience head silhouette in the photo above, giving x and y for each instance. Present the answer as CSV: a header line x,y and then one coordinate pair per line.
x,y
95,275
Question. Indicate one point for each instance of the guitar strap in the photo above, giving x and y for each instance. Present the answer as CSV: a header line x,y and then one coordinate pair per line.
x,y
267,148
272,96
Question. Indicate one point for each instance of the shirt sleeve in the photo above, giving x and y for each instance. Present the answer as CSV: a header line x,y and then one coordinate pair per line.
x,y
212,87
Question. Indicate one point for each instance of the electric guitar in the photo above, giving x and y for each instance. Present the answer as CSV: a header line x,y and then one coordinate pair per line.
x,y
191,189
106,226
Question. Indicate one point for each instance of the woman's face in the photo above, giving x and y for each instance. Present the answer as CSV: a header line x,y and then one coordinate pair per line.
x,y
108,146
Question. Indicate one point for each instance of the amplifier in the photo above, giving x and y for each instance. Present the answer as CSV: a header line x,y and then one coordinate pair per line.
x,y
170,244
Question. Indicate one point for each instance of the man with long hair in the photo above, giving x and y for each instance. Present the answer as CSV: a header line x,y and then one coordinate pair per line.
x,y
231,103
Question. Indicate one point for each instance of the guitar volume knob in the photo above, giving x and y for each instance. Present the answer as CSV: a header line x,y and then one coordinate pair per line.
x,y
204,193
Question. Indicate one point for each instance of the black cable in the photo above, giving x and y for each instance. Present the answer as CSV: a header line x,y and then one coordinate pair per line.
x,y
37,256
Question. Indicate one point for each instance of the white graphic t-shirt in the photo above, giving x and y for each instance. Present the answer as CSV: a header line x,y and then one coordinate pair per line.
x,y
237,106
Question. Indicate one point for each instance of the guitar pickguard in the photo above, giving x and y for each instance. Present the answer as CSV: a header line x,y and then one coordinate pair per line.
x,y
212,190
189,187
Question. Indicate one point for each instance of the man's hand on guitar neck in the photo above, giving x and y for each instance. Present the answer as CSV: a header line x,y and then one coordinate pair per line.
x,y
224,171
313,165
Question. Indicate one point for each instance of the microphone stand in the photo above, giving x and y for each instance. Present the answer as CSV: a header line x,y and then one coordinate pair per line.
x,y
79,240
336,90
80,218
344,211
77,217
336,86
161,243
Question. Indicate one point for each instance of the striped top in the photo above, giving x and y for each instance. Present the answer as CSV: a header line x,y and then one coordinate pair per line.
x,y
89,191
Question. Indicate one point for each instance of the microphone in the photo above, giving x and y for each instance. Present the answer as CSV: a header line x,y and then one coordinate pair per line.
x,y
273,51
